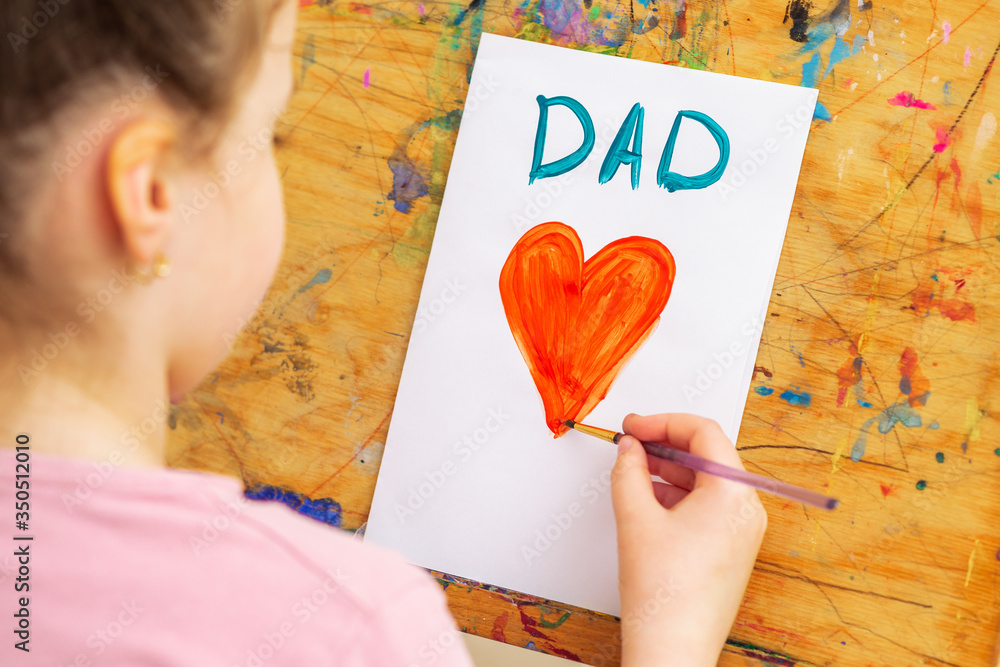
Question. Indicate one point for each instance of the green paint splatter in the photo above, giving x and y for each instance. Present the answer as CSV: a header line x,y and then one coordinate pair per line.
x,y
940,457
921,485
997,451
553,624
594,12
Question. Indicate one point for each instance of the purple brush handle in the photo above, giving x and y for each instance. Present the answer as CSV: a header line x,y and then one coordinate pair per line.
x,y
695,462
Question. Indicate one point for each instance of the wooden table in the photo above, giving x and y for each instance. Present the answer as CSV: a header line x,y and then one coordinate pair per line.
x,y
882,335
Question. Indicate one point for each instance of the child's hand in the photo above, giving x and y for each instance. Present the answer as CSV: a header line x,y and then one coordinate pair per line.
x,y
685,549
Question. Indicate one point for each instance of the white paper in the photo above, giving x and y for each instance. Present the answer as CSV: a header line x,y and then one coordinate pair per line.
x,y
472,482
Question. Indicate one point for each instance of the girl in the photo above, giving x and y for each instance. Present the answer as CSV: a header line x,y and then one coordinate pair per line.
x,y
117,289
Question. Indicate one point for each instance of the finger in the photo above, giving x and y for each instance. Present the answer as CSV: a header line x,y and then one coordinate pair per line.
x,y
631,489
692,433
671,472
668,495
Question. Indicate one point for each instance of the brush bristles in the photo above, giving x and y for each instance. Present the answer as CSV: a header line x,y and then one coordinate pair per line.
x,y
570,423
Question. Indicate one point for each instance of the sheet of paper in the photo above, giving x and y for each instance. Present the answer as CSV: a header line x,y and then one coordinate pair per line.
x,y
472,481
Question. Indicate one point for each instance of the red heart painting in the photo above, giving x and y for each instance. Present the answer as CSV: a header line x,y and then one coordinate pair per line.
x,y
577,323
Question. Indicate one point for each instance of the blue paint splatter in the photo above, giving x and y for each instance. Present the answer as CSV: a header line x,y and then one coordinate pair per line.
x,y
796,398
473,6
810,79
897,413
222,417
408,183
326,510
764,391
864,404
322,276
810,71
934,425
842,50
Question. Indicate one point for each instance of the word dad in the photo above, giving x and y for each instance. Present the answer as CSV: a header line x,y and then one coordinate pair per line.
x,y
619,153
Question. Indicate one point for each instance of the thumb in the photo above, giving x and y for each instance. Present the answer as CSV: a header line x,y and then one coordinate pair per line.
x,y
631,489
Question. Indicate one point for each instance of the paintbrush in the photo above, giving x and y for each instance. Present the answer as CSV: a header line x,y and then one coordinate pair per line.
x,y
699,464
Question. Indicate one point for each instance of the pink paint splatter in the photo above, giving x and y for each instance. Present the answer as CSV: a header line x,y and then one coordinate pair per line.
x,y
947,31
943,140
420,8
907,99
368,77
968,54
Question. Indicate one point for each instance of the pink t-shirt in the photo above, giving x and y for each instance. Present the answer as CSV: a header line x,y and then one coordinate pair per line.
x,y
169,567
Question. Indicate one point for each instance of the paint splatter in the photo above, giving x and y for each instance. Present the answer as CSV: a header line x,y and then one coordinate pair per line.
x,y
972,418
761,369
912,382
968,56
942,140
764,391
530,625
326,510
557,306
367,79
322,276
837,453
886,489
810,79
934,425
553,624
897,413
569,24
972,561
907,99
798,11
408,182
499,625
921,485
420,8
680,20
849,376
930,295
811,70
796,398
939,457
946,27
841,50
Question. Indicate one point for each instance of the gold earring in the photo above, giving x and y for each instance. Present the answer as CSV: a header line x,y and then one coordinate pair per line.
x,y
160,268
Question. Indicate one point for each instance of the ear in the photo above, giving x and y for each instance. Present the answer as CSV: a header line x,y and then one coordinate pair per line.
x,y
141,195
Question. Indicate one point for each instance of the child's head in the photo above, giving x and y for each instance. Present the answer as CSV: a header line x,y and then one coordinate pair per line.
x,y
133,131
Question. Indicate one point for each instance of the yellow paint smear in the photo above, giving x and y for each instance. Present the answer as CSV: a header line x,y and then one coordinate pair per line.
x,y
972,417
972,560
838,452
